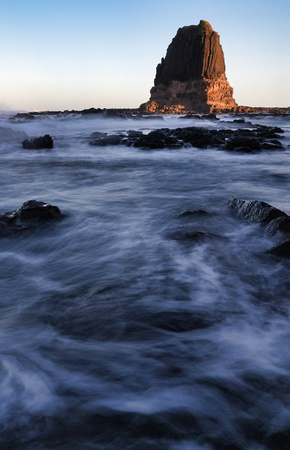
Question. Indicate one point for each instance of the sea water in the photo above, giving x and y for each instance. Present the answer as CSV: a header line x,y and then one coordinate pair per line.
x,y
115,333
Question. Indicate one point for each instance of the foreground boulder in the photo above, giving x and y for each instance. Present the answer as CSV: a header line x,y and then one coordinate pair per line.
x,y
273,218
30,215
255,210
261,212
38,143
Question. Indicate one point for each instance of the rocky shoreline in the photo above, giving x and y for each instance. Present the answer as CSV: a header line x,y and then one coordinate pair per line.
x,y
237,135
137,113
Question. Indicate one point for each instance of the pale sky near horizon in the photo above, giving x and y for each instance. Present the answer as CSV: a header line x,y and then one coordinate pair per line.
x,y
75,54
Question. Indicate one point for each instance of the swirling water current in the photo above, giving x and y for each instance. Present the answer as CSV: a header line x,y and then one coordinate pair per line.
x,y
116,335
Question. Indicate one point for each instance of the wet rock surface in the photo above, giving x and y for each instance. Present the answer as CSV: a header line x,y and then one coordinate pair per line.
x,y
281,250
180,322
190,236
198,226
194,213
242,140
273,218
29,216
39,143
255,210
195,227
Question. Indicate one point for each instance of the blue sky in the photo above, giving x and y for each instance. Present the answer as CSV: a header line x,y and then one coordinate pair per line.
x,y
74,54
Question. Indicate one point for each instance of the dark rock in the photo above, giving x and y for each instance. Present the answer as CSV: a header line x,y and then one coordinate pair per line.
x,y
192,236
244,149
275,219
99,134
275,142
30,214
134,134
281,224
107,113
194,213
150,142
255,210
191,78
268,132
105,140
132,137
282,250
23,117
194,53
38,143
197,137
210,117
179,321
36,210
238,141
251,141
158,139
216,141
90,111
272,146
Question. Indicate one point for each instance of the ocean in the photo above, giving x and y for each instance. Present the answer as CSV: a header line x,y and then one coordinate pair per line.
x,y
128,324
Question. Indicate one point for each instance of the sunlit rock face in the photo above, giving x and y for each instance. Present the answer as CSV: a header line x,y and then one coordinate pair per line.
x,y
192,75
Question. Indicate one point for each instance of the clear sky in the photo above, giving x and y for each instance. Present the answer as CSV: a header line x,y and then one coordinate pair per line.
x,y
75,54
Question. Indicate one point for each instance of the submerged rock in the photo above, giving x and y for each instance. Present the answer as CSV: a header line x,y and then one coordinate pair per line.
x,y
261,212
282,224
181,321
103,140
190,235
38,143
194,213
282,250
27,217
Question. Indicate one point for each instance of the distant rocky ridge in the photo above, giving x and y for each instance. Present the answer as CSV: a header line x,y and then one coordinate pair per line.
x,y
192,75
139,113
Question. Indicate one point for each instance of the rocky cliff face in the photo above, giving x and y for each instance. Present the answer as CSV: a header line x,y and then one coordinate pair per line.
x,y
191,78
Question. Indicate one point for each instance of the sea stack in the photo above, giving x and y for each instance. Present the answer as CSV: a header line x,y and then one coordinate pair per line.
x,y
191,77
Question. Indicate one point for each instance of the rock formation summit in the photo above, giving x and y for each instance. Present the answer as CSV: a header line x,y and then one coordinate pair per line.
x,y
191,77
